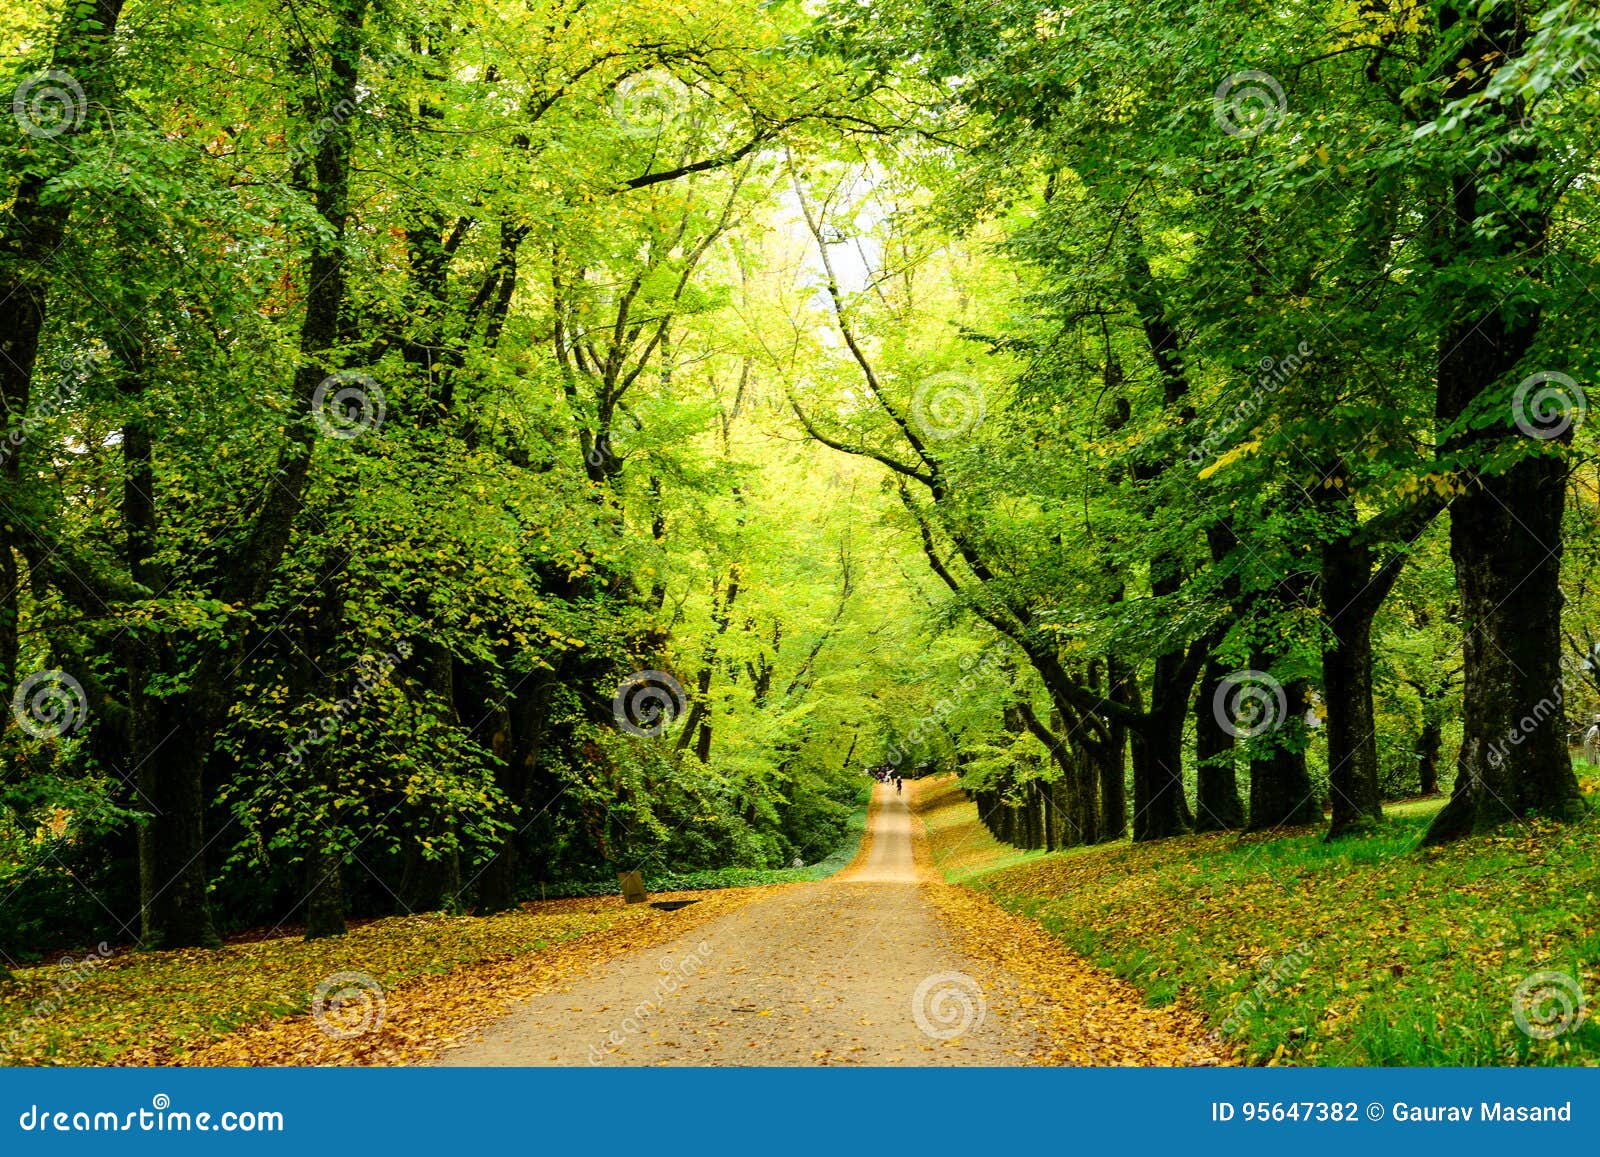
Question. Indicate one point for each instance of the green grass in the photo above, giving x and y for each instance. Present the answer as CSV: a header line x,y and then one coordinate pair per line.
x,y
968,874
1409,957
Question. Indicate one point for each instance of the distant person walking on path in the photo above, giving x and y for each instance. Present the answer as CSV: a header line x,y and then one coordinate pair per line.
x,y
897,782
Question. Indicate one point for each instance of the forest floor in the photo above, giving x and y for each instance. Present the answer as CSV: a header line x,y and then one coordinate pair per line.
x,y
938,945
396,990
1366,951
883,964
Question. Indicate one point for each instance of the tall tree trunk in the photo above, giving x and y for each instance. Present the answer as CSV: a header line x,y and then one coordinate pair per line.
x,y
1351,600
170,735
9,626
698,727
1353,590
1281,794
174,909
172,844
1505,540
1357,802
1158,779
324,894
1430,741
1033,828
702,744
1159,807
1217,803
850,754
1218,806
497,883
533,794
1056,805
1505,525
1113,754
1076,785
1082,820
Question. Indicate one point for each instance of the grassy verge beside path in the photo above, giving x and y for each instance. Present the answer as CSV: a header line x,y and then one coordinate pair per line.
x,y
1361,952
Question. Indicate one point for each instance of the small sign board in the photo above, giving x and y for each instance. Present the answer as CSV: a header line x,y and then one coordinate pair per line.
x,y
633,887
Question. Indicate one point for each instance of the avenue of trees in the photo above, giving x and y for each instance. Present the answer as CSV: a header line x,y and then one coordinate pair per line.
x,y
457,450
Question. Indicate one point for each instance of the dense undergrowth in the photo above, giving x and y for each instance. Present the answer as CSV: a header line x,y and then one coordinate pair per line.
x,y
737,877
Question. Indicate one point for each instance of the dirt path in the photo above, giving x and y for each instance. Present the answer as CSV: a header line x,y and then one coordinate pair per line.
x,y
854,970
